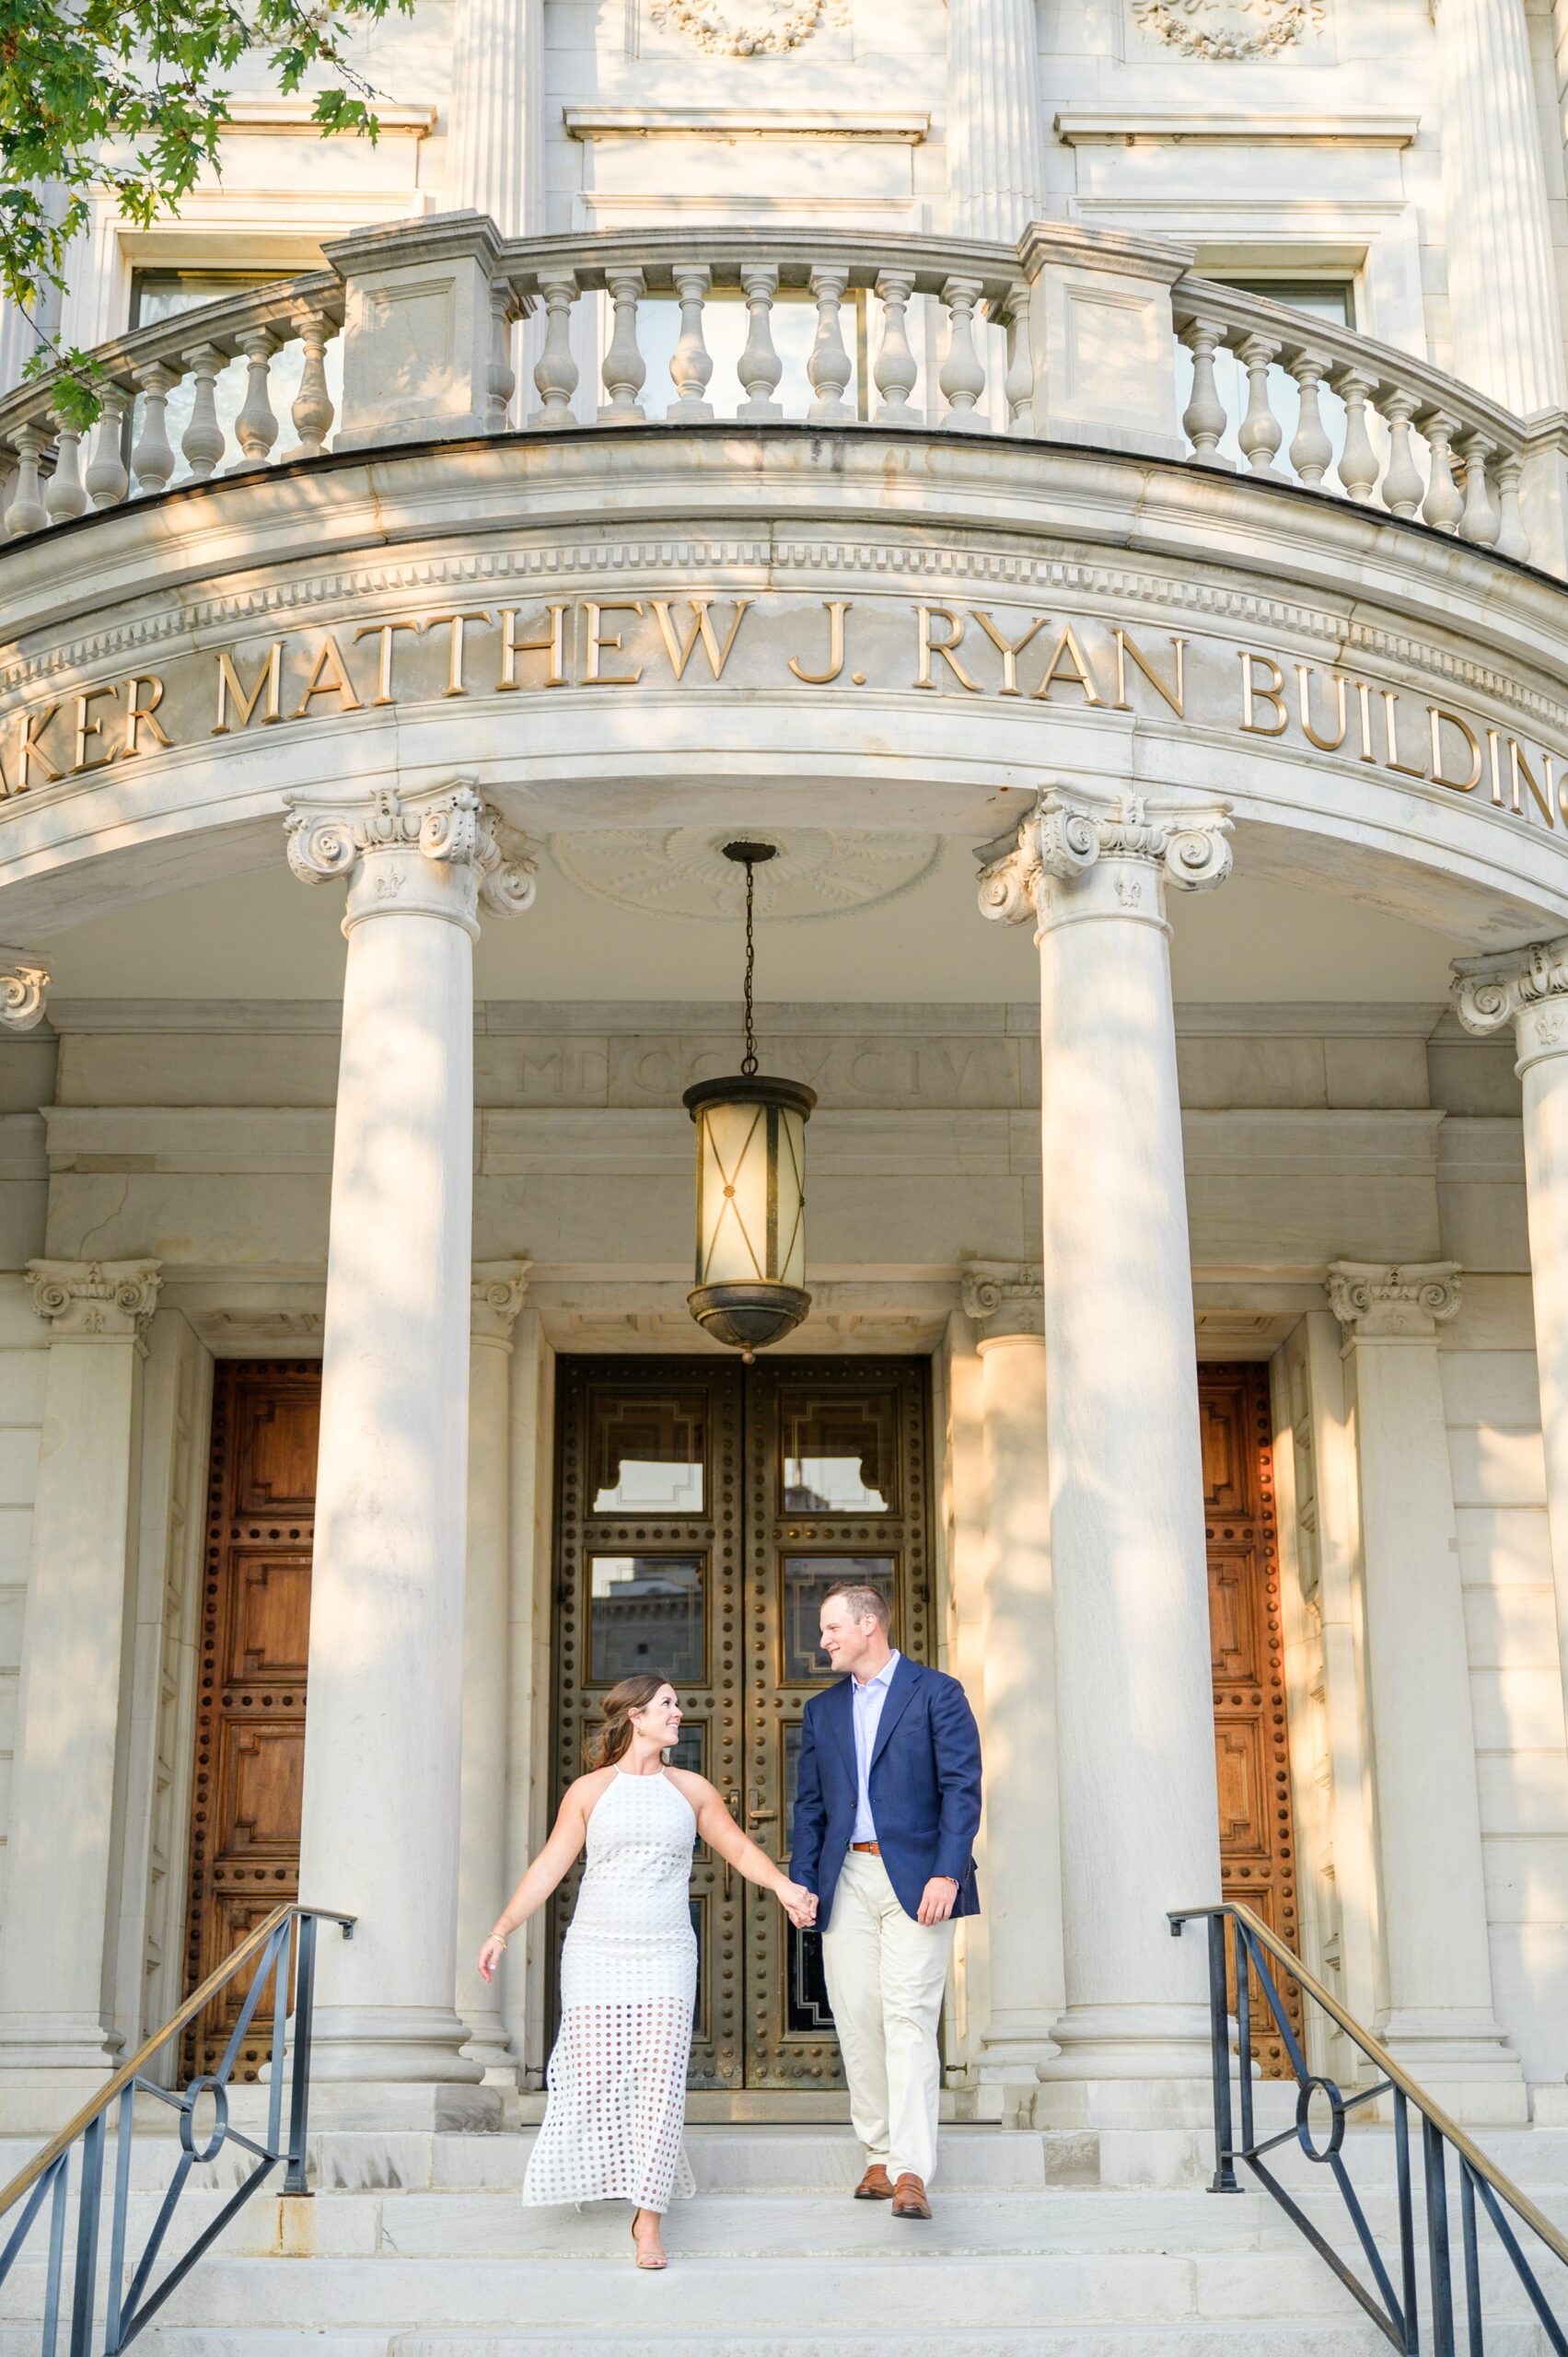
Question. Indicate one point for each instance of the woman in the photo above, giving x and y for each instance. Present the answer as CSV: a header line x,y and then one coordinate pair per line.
x,y
613,2125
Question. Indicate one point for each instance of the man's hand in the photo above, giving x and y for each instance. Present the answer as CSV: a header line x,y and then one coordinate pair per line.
x,y
800,1904
937,1901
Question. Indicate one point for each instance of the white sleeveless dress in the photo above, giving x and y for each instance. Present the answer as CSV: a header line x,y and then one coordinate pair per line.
x,y
617,2079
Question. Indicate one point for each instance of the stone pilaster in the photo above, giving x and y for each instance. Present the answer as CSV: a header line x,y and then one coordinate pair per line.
x,y
1527,991
496,137
383,1748
1139,1812
496,1296
24,988
57,1930
1507,332
995,131
1438,2016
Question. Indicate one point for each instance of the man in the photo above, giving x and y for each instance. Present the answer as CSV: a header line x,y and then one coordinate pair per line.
x,y
886,1806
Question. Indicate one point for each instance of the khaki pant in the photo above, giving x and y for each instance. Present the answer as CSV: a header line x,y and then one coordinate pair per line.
x,y
885,1974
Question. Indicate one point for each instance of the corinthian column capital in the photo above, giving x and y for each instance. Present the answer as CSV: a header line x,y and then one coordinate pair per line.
x,y
107,1300
1526,987
1129,846
495,1296
1378,1302
24,984
443,854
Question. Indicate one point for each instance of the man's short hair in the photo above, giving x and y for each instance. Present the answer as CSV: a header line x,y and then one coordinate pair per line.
x,y
863,1603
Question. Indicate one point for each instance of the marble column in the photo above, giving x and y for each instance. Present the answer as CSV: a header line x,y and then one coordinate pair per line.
x,y
57,1929
995,134
1437,2013
383,1748
1023,1899
497,136
1528,990
1507,334
1140,1815
482,1880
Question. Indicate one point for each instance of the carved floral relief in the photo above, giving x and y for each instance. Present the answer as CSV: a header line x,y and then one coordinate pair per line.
x,y
745,28
1229,28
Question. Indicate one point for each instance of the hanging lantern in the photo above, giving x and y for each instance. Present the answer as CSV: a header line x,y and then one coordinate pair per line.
x,y
750,1288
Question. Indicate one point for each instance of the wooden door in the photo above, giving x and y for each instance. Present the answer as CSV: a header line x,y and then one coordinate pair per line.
x,y
1252,1748
255,1636
702,1508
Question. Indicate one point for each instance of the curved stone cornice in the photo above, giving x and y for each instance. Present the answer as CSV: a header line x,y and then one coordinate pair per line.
x,y
458,839
1068,833
24,986
1380,1301
1526,987
495,1295
95,1300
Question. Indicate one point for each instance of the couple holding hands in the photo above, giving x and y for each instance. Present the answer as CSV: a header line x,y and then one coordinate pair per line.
x,y
886,1811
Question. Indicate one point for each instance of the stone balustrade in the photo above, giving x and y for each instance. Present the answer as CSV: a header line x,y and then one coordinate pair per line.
x,y
1072,336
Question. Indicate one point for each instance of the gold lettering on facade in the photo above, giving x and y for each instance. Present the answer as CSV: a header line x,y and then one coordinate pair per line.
x,y
1518,767
925,616
1364,707
29,750
384,632
1175,696
1077,673
89,728
1272,693
139,716
1495,765
604,642
701,629
837,607
457,624
1305,673
329,677
554,646
1439,719
1009,648
270,677
1391,735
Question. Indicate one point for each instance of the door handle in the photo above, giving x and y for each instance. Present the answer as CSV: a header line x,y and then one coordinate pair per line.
x,y
732,1803
762,1815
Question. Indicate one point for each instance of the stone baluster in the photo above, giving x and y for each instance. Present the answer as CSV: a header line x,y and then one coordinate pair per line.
x,y
312,410
1018,384
1204,420
556,371
501,380
107,477
895,369
203,440
1401,486
962,374
482,1880
829,366
383,1750
1260,432
62,495
27,512
152,460
1512,538
1443,503
761,367
623,368
690,364
1128,1567
1358,459
256,427
1311,451
1479,521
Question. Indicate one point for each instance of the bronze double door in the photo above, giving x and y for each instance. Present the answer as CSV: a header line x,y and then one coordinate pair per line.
x,y
702,1510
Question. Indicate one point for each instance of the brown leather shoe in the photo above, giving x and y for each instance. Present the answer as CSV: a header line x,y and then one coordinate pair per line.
x,y
908,2198
875,2185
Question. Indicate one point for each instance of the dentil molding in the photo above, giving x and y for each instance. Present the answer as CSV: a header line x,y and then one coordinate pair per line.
x,y
24,985
104,1300
1378,1302
1070,832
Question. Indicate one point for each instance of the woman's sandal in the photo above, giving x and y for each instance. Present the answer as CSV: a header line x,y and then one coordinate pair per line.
x,y
649,2266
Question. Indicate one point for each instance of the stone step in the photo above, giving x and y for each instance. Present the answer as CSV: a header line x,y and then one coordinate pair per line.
x,y
1289,2336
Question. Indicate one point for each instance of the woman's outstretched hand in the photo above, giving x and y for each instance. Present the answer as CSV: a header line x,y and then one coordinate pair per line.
x,y
800,1904
489,1958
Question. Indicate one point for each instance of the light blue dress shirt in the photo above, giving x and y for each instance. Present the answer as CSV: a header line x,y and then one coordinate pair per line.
x,y
868,1699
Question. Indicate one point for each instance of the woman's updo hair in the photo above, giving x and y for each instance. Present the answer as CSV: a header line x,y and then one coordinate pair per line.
x,y
614,1737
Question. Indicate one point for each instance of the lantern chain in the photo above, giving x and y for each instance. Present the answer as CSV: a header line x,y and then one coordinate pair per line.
x,y
748,1061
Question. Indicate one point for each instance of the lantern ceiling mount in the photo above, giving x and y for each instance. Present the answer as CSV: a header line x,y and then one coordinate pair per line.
x,y
750,1180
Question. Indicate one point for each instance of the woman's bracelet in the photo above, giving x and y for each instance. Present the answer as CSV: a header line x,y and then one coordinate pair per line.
x,y
499,1936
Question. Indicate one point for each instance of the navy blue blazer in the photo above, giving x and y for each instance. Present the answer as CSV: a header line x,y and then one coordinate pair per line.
x,y
924,1787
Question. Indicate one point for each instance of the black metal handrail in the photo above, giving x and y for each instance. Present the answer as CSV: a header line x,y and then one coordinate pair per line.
x,y
1479,2180
283,1941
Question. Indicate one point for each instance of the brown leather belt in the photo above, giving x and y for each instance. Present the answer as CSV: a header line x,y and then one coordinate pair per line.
x,y
875,1847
